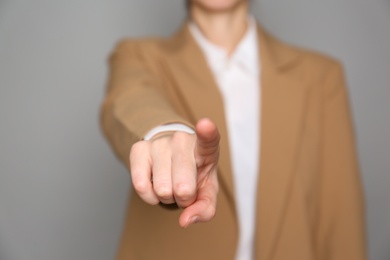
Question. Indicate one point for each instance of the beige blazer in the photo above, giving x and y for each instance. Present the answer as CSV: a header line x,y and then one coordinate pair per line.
x,y
309,201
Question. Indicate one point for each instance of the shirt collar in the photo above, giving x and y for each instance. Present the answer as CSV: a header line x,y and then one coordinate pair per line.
x,y
246,53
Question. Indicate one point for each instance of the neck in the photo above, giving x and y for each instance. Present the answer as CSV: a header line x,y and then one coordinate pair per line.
x,y
224,28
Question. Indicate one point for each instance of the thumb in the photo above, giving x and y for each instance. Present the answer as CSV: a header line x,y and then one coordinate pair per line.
x,y
207,143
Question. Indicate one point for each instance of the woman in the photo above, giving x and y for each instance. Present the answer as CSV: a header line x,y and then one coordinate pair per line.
x,y
223,97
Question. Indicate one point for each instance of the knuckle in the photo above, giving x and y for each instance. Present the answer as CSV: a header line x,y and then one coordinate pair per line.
x,y
137,146
184,191
160,147
141,186
154,202
180,137
137,149
158,142
163,192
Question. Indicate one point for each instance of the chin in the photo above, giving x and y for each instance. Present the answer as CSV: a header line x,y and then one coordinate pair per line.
x,y
217,5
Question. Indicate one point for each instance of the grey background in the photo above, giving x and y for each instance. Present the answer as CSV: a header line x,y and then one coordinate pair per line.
x,y
63,193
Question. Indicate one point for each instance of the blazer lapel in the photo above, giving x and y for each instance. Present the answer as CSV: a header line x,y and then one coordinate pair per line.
x,y
283,99
201,93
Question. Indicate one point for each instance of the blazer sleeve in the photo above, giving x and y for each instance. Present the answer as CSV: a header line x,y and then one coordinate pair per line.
x,y
135,101
342,224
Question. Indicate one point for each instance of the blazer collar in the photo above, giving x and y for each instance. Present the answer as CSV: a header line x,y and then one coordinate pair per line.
x,y
273,53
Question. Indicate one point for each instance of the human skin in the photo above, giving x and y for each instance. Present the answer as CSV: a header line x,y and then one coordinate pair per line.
x,y
223,22
181,168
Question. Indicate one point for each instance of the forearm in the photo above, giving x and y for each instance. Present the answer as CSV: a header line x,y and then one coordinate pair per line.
x,y
134,102
128,118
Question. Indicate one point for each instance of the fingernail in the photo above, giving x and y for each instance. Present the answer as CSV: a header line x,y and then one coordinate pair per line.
x,y
193,220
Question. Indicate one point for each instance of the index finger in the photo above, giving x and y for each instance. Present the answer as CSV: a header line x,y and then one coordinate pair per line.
x,y
208,137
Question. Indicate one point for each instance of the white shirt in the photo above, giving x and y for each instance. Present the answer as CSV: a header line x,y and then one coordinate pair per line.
x,y
238,79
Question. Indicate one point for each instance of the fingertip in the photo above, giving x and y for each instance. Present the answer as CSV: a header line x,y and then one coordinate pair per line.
x,y
192,220
206,128
183,221
205,120
200,211
185,217
205,123
186,222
